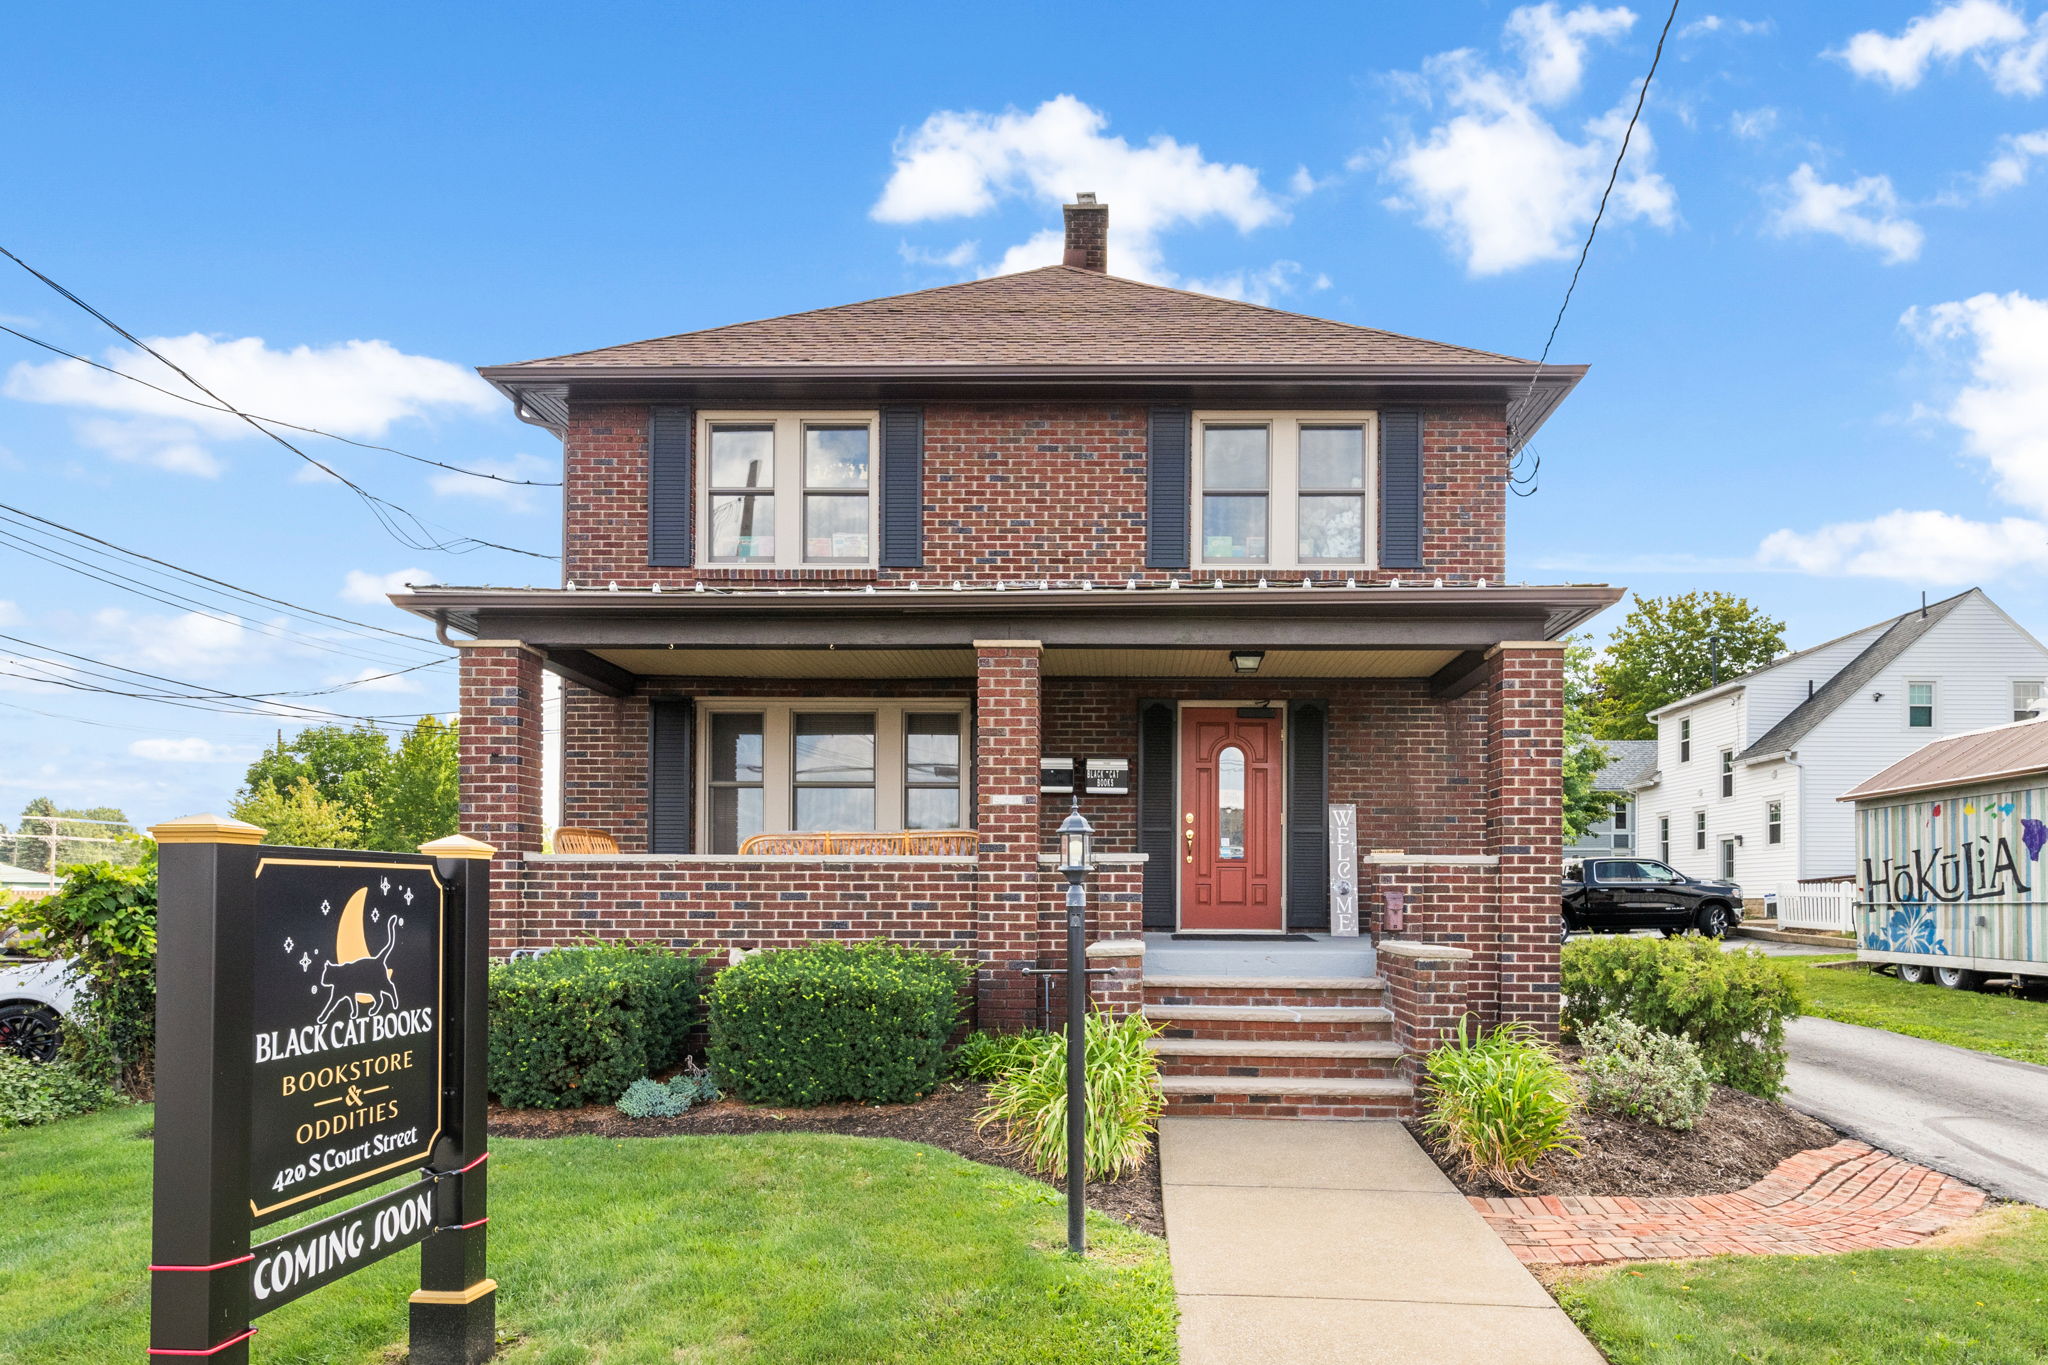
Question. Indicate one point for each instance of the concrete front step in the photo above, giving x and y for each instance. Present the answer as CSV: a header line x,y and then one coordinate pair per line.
x,y
1245,1061
1240,990
1289,1098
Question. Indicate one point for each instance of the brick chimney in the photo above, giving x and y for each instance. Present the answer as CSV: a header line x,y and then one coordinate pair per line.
x,y
1087,235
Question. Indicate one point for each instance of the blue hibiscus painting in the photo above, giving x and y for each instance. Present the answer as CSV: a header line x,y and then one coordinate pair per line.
x,y
1909,929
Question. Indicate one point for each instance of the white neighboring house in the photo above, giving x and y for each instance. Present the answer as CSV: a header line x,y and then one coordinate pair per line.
x,y
1747,773
1629,761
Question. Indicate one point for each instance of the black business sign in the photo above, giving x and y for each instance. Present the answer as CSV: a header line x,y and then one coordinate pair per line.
x,y
348,996
320,1030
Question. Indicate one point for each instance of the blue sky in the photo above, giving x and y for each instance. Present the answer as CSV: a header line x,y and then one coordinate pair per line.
x,y
1817,314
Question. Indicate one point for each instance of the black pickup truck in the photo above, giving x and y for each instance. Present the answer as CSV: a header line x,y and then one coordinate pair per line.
x,y
1615,895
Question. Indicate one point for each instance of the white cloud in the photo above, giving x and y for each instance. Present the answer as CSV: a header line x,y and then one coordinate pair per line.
x,y
192,644
1497,179
190,750
1753,123
964,163
2001,409
371,589
956,258
2010,164
1993,35
1865,212
10,614
1721,23
379,679
515,496
353,388
1258,286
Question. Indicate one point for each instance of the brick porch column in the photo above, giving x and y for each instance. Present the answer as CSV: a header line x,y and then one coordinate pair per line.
x,y
500,762
1006,756
1525,748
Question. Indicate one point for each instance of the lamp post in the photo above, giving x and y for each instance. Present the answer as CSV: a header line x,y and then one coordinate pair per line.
x,y
1077,847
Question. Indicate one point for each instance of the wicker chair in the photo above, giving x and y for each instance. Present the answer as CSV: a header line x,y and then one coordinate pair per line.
x,y
569,839
951,843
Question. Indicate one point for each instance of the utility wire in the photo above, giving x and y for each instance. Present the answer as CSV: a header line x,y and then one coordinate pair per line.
x,y
1613,176
278,421
400,523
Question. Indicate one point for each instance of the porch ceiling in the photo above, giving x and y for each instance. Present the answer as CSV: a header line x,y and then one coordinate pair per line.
x,y
959,663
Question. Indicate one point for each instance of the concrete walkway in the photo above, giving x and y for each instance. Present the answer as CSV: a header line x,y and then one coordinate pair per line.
x,y
1318,1243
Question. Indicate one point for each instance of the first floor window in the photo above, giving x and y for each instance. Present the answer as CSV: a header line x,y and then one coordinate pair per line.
x,y
1728,860
2026,698
1699,831
831,766
1774,822
1664,837
1920,705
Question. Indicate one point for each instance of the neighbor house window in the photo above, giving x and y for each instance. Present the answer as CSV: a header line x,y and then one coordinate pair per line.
x,y
1774,822
835,766
2026,698
781,490
1685,741
1622,837
1285,491
1664,837
1920,705
1727,772
1699,831
1728,860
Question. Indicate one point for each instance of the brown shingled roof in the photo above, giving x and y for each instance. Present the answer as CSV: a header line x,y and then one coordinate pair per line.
x,y
1977,757
1057,315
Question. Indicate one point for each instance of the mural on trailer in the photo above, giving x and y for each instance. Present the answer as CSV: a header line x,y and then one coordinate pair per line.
x,y
1933,871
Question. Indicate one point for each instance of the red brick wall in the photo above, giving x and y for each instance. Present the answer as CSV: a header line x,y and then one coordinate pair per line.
x,y
1526,700
1006,750
1015,491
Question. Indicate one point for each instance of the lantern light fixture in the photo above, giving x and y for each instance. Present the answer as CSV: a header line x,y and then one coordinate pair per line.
x,y
1246,661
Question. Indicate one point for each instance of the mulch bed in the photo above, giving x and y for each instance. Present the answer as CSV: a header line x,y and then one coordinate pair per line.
x,y
945,1119
1737,1142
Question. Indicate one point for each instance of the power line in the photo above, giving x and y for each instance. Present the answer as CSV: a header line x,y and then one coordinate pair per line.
x,y
400,523
1613,175
278,421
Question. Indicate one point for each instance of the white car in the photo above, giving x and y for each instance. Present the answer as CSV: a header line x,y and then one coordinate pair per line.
x,y
35,995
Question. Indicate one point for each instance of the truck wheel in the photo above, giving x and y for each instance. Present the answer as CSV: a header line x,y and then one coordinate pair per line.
x,y
1715,920
1958,978
1915,973
30,1031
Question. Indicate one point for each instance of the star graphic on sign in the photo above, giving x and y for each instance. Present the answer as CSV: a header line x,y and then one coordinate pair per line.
x,y
305,961
325,907
376,915
408,890
287,945
312,990
384,883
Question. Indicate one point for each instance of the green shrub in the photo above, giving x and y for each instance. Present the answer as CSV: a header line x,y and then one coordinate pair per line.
x,y
1500,1102
579,1025
652,1099
1732,1005
829,1022
36,1092
983,1055
104,919
1121,1076
1643,1074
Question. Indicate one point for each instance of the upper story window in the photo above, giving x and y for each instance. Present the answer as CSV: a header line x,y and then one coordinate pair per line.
x,y
2026,698
1920,705
1685,740
1727,772
1284,490
1774,822
784,490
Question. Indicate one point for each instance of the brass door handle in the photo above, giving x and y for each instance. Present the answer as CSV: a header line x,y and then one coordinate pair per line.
x,y
1190,834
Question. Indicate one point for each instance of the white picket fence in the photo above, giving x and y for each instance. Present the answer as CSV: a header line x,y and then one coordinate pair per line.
x,y
1828,906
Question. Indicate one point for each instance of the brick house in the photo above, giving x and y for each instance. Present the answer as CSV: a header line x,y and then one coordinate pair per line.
x,y
875,569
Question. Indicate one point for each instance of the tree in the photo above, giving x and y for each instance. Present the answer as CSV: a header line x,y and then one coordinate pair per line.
x,y
344,765
1672,647
300,817
418,798
81,836
1583,758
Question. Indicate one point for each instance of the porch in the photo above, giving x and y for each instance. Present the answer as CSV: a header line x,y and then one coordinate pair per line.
x,y
1432,713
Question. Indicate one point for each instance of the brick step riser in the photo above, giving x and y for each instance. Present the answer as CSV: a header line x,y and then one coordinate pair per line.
x,y
1266,1105
1273,1069
1280,1030
1238,995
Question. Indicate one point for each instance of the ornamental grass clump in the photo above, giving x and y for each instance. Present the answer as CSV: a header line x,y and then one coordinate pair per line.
x,y
1640,1073
831,1023
1029,1097
1501,1103
1731,1005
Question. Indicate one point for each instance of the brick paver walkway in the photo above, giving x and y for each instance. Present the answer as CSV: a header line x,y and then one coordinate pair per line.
x,y
1848,1197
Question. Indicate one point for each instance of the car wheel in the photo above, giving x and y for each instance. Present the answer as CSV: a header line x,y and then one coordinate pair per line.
x,y
30,1031
1715,921
1958,978
1915,973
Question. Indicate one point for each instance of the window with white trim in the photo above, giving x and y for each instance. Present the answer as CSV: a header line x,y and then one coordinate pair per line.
x,y
844,766
1699,831
1920,705
2026,698
1727,772
784,490
1774,822
1685,740
1284,490
1664,837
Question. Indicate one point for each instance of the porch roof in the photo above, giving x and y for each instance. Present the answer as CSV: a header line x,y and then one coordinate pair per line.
x,y
609,639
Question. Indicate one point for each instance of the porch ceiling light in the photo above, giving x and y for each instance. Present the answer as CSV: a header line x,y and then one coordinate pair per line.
x,y
1247,660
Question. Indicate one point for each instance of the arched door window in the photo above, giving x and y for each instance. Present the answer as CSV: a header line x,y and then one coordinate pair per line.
x,y
1230,802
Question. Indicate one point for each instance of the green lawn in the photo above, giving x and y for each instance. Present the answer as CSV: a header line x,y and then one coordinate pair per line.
x,y
1989,1022
1984,1303
784,1248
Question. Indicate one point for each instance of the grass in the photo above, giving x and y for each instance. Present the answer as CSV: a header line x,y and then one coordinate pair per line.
x,y
759,1250
2005,1025
1982,1299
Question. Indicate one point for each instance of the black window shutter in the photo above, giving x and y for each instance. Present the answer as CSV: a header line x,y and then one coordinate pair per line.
x,y
669,491
1166,489
671,776
1158,797
902,488
1308,816
1401,489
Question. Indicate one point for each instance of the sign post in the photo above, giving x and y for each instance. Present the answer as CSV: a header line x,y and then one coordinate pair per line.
x,y
319,1032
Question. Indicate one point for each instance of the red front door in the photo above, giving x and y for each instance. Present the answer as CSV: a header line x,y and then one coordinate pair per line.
x,y
1229,820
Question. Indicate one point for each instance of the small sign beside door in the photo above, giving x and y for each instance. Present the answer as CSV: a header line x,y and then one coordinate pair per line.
x,y
1344,871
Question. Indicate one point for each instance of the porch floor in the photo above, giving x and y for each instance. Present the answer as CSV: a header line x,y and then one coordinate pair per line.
x,y
1322,955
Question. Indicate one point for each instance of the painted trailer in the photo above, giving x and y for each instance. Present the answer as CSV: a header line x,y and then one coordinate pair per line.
x,y
1951,881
